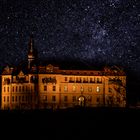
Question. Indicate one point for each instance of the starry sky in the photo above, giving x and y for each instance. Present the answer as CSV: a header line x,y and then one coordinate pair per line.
x,y
90,31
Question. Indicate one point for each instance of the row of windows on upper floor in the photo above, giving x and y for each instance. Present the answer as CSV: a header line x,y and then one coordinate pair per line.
x,y
15,79
53,79
74,79
74,88
83,79
18,89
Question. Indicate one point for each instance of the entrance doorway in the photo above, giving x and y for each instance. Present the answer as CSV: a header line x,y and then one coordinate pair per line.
x,y
81,101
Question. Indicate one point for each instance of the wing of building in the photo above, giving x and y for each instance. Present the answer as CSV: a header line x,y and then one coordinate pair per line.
x,y
40,87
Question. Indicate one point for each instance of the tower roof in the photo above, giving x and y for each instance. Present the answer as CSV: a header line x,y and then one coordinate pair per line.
x,y
31,46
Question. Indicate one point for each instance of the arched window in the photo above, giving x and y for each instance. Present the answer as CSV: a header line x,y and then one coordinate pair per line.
x,y
74,88
98,89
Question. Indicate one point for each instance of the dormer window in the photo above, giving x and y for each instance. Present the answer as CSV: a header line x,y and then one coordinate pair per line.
x,y
49,68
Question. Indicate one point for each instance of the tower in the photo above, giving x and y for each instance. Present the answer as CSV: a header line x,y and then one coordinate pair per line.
x,y
32,54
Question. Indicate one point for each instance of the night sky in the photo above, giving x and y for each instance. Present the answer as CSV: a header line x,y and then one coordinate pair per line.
x,y
90,31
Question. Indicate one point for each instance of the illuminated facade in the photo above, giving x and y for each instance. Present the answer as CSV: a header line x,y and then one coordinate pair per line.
x,y
40,87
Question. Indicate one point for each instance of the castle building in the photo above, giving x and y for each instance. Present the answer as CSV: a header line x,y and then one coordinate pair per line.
x,y
41,87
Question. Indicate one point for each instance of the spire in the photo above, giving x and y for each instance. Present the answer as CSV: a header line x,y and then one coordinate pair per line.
x,y
32,54
31,44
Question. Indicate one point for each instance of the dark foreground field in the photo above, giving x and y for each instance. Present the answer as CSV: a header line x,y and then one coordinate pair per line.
x,y
71,123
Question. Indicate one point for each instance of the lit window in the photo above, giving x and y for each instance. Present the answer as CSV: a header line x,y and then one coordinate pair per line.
x,y
54,88
45,88
98,89
65,88
74,88
65,98
89,89
45,98
82,89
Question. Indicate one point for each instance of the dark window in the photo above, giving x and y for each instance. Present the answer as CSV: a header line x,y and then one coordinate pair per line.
x,y
23,88
53,98
16,99
110,90
7,89
26,98
59,88
13,89
65,78
26,88
31,98
22,98
118,99
4,89
45,88
54,88
7,98
4,99
98,99
90,98
13,98
16,88
74,98
65,98
19,88
19,98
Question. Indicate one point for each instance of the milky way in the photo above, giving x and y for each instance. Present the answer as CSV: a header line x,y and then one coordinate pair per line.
x,y
91,31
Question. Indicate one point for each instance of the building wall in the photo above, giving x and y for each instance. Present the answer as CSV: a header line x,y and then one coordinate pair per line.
x,y
61,91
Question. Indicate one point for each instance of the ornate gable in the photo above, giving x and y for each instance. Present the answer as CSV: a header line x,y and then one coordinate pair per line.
x,y
49,68
21,74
